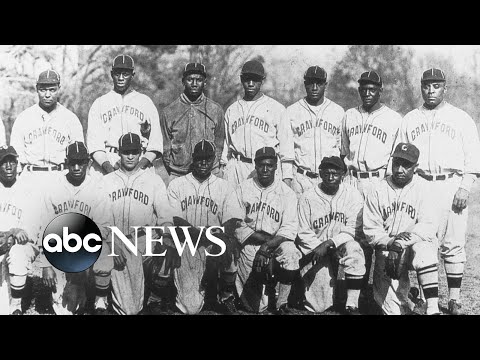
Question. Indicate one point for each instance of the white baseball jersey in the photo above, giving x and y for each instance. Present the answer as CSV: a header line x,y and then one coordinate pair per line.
x,y
3,138
390,210
208,203
271,209
313,132
322,217
368,138
113,115
40,138
447,138
250,125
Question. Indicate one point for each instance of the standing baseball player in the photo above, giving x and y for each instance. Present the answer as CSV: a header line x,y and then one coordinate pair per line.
x,y
314,130
447,138
75,192
189,119
205,200
118,112
252,122
139,198
18,235
41,133
3,138
268,254
330,218
400,222
368,135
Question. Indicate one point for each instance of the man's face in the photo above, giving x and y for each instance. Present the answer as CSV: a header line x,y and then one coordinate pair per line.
x,y
433,92
315,89
202,166
194,85
122,79
48,95
8,169
265,169
251,84
402,171
331,177
129,159
370,94
77,168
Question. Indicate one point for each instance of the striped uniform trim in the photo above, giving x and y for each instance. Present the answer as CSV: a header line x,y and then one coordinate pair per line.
x,y
430,285
353,282
102,281
431,292
427,269
16,287
454,280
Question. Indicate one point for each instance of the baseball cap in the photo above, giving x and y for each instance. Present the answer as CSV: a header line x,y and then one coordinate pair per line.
x,y
406,151
433,75
6,151
315,72
204,149
77,151
333,161
129,141
253,67
370,77
123,62
265,152
194,68
48,77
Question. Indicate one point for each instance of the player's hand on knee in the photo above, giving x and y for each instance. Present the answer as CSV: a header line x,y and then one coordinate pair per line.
x,y
49,278
404,236
397,246
460,200
262,257
321,250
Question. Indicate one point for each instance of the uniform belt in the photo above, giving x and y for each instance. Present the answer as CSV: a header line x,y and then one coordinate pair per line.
x,y
365,174
436,177
307,173
240,157
44,168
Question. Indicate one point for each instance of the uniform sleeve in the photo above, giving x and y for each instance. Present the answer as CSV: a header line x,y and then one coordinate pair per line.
x,y
95,131
471,149
219,135
3,138
373,220
167,144
155,141
354,223
287,152
289,227
344,139
16,139
308,240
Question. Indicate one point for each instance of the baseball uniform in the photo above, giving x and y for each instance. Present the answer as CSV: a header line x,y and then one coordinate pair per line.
x,y
3,138
208,203
138,199
313,133
250,125
113,115
273,211
390,210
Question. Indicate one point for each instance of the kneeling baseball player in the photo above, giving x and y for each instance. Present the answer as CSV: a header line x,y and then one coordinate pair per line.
x,y
400,222
330,219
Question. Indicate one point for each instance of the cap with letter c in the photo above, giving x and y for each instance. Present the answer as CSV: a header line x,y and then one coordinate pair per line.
x,y
406,151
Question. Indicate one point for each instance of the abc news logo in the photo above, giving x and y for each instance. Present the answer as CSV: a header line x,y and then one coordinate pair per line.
x,y
72,242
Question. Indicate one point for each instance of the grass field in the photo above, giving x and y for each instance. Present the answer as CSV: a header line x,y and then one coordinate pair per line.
x,y
470,298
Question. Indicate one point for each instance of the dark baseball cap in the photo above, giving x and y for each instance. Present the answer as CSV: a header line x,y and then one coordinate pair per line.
x,y
315,72
77,151
123,62
370,77
194,68
129,141
265,152
253,67
6,151
204,149
334,161
406,151
433,75
48,77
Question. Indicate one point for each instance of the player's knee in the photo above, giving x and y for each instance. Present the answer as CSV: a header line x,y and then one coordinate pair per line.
x,y
285,276
288,256
424,254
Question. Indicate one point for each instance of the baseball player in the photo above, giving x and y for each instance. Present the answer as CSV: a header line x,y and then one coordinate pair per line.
x,y
268,254
41,133
314,130
118,112
189,119
204,200
18,236
250,123
75,192
139,198
400,220
330,219
447,138
368,135
3,139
